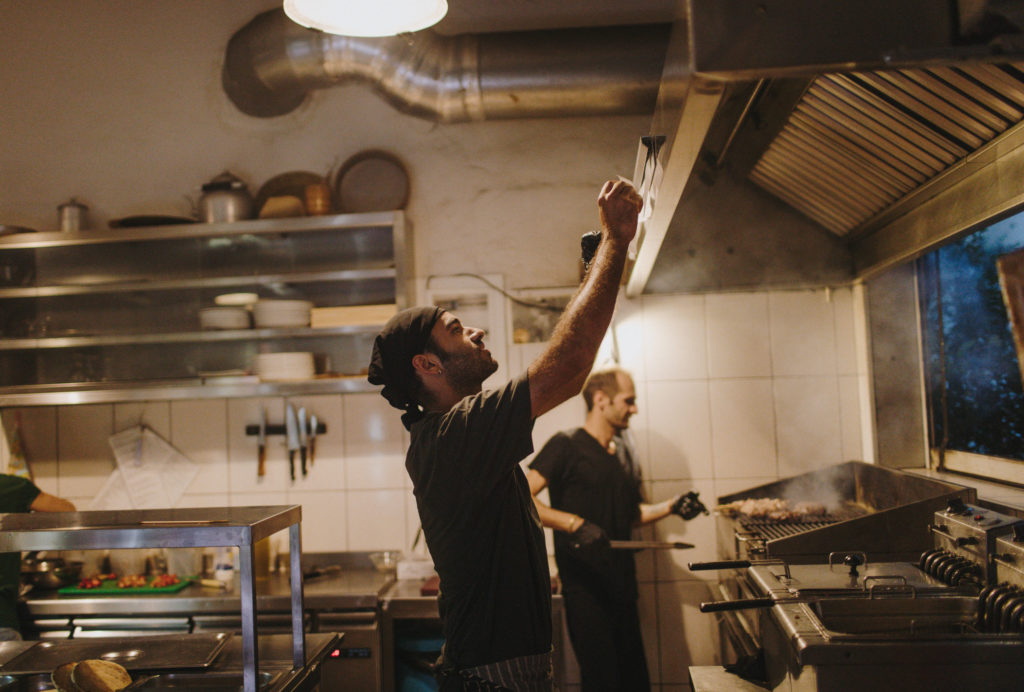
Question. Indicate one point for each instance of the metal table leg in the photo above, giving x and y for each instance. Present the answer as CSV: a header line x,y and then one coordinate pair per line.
x,y
295,575
250,647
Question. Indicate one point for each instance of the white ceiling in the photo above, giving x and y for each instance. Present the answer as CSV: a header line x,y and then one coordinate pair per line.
x,y
481,16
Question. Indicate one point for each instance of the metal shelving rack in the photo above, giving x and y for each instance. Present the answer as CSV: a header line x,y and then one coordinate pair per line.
x,y
240,527
105,289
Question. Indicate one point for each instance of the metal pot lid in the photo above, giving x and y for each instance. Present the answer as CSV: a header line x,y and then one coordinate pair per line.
x,y
371,180
225,181
73,203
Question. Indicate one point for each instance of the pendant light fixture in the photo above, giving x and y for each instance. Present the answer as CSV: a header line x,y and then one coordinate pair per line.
x,y
366,17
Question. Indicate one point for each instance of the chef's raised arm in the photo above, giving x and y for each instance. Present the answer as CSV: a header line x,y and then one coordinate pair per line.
x,y
559,372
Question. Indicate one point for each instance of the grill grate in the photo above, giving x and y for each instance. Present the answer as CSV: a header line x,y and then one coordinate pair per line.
x,y
781,529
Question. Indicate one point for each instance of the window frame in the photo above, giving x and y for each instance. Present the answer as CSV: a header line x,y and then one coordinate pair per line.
x,y
991,468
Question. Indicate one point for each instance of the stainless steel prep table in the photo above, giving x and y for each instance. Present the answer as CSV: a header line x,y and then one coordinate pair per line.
x,y
177,528
345,601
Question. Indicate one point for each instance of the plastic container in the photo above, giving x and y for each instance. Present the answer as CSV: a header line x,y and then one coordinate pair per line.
x,y
224,567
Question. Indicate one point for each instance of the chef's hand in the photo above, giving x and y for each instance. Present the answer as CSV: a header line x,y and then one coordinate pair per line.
x,y
688,505
590,541
619,206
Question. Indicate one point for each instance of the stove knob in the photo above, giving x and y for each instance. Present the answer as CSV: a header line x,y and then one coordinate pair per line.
x,y
967,540
853,562
956,506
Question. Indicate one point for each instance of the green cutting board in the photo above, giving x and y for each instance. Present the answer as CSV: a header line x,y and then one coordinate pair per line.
x,y
110,588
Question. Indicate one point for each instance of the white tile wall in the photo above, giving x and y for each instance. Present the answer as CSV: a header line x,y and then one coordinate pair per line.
x,y
742,427
677,423
807,422
674,338
734,390
803,332
739,343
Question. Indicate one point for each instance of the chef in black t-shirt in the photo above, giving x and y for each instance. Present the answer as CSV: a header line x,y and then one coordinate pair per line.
x,y
475,505
594,485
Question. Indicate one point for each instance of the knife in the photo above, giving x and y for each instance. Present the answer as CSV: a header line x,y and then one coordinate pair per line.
x,y
292,430
261,470
313,423
656,545
302,438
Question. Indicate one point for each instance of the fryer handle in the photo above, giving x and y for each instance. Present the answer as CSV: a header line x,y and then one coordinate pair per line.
x,y
739,604
720,564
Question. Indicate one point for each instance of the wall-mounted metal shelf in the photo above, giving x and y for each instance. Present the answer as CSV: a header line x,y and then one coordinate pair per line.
x,y
106,316
183,337
197,388
130,286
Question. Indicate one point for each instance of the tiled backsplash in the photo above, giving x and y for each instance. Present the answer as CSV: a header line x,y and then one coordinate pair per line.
x,y
734,390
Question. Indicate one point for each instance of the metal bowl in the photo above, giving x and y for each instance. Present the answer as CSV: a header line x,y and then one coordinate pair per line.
x,y
51,573
386,561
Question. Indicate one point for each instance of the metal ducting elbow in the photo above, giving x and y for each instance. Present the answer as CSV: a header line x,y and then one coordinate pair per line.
x,y
272,63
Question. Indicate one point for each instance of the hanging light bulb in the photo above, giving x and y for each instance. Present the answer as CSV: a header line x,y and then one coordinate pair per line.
x,y
366,17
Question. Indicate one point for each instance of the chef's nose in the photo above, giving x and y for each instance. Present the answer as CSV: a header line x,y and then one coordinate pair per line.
x,y
477,334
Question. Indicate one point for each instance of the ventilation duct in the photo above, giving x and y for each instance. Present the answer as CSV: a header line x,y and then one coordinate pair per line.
x,y
272,64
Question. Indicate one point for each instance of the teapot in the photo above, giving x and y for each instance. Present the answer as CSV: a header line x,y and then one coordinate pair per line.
x,y
226,198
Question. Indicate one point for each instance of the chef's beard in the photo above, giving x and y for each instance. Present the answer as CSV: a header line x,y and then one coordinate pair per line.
x,y
468,370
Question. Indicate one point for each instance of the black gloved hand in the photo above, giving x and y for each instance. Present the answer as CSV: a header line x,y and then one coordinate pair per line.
x,y
588,535
688,506
591,542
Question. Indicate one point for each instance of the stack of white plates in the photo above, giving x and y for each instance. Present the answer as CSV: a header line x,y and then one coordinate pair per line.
x,y
281,313
224,318
282,367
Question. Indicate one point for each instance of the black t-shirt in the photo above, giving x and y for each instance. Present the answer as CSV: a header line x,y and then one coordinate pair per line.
x,y
583,478
16,495
481,526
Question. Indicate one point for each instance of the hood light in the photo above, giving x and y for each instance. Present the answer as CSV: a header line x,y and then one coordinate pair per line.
x,y
366,17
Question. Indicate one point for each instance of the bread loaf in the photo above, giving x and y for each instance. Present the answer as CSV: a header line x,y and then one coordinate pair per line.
x,y
61,677
96,675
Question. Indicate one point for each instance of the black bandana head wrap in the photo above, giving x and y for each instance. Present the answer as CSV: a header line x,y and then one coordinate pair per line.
x,y
404,336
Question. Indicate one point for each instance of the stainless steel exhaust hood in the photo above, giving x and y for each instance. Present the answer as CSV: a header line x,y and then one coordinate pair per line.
x,y
830,126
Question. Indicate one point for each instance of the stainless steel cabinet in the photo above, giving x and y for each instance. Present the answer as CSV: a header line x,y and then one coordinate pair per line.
x,y
108,316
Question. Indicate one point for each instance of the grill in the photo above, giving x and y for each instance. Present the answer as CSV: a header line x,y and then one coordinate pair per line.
x,y
882,512
952,618
769,530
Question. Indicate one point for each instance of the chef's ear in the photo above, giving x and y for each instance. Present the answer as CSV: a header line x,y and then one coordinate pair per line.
x,y
427,364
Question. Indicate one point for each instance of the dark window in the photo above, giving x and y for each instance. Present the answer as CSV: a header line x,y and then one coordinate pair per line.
x,y
975,395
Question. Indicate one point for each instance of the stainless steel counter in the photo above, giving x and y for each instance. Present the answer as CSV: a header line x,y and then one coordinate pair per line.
x,y
403,600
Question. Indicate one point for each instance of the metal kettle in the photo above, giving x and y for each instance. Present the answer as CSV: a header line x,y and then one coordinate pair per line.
x,y
225,198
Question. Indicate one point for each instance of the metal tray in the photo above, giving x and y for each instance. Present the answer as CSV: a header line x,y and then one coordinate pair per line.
x,y
154,652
